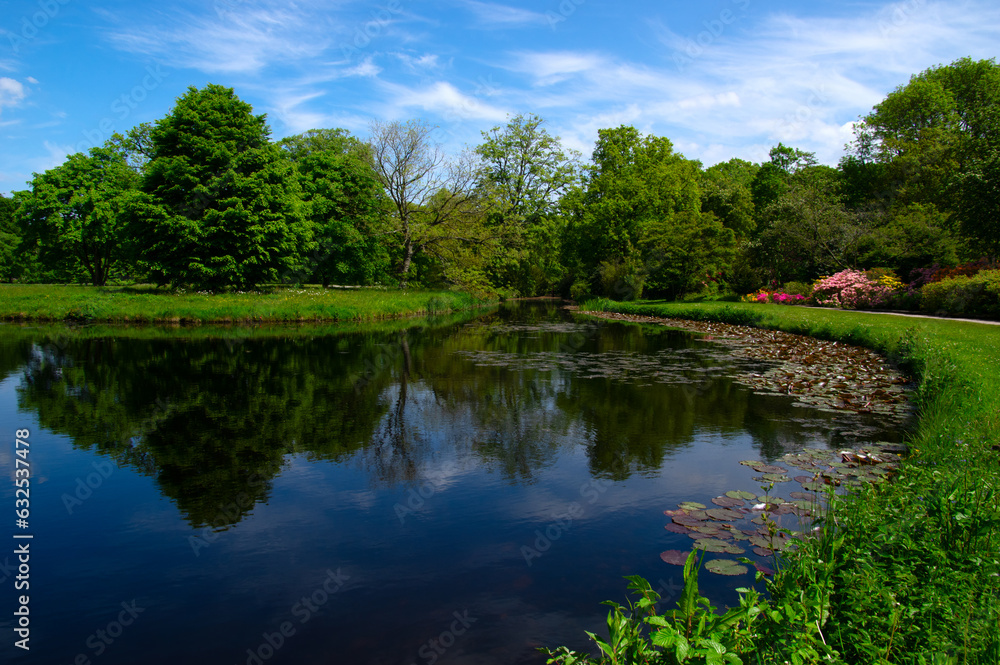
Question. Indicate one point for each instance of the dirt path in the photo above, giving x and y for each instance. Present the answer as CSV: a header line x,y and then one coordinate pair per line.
x,y
924,316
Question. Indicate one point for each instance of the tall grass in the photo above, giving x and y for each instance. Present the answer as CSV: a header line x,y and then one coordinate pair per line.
x,y
150,305
906,571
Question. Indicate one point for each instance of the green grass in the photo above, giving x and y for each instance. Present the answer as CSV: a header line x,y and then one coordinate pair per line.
x,y
907,571
151,305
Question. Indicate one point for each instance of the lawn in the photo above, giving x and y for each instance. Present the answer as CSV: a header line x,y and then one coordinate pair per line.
x,y
150,305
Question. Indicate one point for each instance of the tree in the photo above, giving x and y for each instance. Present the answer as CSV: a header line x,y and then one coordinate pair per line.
x,y
640,219
727,193
10,238
939,136
75,214
222,206
436,207
345,204
526,172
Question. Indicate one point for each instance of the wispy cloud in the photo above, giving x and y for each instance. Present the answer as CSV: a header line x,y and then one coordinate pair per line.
x,y
242,39
493,15
445,100
11,93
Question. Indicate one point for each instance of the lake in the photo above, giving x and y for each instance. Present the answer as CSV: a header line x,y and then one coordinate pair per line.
x,y
459,490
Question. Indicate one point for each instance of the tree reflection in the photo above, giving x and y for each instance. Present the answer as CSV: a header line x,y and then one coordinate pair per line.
x,y
213,417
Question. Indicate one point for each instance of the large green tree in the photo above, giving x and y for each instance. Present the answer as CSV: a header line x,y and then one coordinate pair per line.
x,y
639,220
526,171
345,204
939,139
74,214
223,205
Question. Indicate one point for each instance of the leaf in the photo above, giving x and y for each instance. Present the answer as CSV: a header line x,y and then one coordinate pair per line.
x,y
675,557
673,527
725,567
724,514
691,505
741,494
727,501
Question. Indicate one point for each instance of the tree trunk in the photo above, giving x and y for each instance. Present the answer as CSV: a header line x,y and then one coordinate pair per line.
x,y
404,272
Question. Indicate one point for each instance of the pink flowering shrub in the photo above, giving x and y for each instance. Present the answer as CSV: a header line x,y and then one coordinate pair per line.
x,y
763,297
851,289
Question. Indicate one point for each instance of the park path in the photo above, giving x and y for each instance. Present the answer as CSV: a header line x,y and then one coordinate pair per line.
x,y
924,316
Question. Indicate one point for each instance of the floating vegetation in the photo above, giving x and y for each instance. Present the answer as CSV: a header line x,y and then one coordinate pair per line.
x,y
768,533
820,374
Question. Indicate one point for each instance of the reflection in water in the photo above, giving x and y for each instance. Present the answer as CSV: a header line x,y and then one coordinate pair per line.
x,y
420,458
213,419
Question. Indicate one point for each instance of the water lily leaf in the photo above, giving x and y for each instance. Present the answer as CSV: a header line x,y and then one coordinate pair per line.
x,y
677,528
815,486
687,520
804,479
769,468
758,540
725,567
708,528
751,463
739,535
718,546
691,505
697,535
727,501
675,557
724,514
763,568
741,494
804,496
775,478
763,551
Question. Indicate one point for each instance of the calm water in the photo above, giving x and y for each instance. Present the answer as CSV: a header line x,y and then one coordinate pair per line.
x,y
461,492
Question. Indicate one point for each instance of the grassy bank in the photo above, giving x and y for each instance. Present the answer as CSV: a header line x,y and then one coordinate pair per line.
x,y
902,572
150,305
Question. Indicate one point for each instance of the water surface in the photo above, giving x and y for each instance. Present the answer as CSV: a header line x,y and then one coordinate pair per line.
x,y
460,491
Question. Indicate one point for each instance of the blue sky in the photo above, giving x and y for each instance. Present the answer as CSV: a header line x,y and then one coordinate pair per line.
x,y
721,79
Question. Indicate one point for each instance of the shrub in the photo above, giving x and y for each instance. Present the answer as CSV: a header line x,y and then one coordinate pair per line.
x,y
798,288
850,289
978,295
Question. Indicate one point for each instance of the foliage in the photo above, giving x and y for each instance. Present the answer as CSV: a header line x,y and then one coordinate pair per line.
x,y
692,633
638,223
75,212
978,295
436,208
525,172
221,205
851,289
776,297
345,205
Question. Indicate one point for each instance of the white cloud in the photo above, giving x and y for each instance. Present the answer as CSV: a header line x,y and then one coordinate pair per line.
x,y
445,99
494,15
11,92
238,40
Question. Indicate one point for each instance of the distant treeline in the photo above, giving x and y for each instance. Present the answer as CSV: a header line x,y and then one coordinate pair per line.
x,y
204,198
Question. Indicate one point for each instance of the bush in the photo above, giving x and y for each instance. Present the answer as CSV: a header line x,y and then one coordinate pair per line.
x,y
798,289
851,289
978,295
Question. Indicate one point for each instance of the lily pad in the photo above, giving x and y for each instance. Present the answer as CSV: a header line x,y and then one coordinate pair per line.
x,y
763,568
677,528
741,494
804,496
763,551
769,468
718,546
675,557
814,486
804,479
725,567
691,505
724,514
775,478
727,501
687,520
